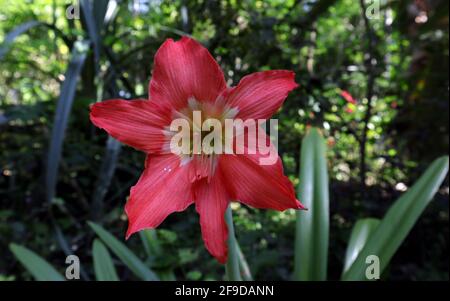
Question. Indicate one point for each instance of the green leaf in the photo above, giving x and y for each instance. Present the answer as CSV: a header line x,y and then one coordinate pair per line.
x,y
232,266
243,265
24,27
100,8
62,116
103,264
105,175
399,220
91,28
126,256
150,242
11,36
36,265
312,227
358,238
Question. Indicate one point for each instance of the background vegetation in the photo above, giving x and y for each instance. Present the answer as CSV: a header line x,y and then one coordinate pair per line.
x,y
57,171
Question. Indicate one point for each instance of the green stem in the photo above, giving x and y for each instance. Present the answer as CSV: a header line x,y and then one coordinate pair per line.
x,y
232,267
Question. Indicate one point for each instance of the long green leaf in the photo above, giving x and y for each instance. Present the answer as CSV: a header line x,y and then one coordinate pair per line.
x,y
312,227
94,15
103,264
11,36
36,265
243,265
232,266
62,116
100,7
399,220
126,256
360,234
23,28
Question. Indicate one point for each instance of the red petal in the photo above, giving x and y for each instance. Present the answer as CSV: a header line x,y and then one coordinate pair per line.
x,y
259,95
137,123
211,202
259,186
163,188
182,70
348,97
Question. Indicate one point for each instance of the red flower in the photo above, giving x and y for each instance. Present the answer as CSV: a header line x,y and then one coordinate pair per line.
x,y
185,75
348,97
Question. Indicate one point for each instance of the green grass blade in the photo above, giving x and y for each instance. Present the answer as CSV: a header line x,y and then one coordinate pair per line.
x,y
36,265
399,220
103,264
312,226
360,234
125,255
63,109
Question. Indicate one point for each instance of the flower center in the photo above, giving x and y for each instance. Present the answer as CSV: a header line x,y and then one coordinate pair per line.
x,y
197,134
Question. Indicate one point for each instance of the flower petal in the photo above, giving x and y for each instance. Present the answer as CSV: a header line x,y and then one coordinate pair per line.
x,y
259,95
259,186
163,188
182,70
211,202
136,123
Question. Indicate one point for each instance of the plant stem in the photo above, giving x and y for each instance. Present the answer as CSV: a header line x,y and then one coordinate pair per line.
x,y
232,266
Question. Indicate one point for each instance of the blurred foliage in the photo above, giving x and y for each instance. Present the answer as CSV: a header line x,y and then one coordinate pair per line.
x,y
327,43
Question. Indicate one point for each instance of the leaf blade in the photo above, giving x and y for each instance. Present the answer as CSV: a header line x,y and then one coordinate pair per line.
x,y
361,232
399,220
125,255
103,265
312,226
13,34
63,109
38,267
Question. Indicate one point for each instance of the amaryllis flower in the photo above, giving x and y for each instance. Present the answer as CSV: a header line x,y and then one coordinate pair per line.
x,y
348,97
186,77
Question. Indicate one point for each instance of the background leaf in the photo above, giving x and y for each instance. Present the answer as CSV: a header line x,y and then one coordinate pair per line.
x,y
399,220
36,265
22,28
243,265
150,242
62,116
103,264
126,256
